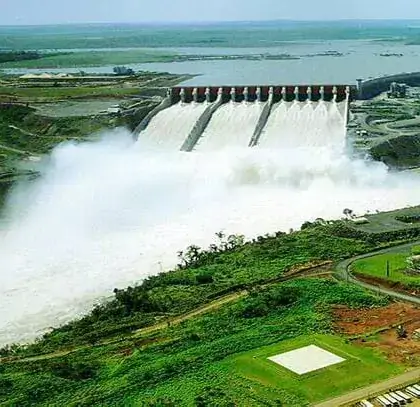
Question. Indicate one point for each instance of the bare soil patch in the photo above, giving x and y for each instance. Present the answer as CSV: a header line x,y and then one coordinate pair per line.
x,y
400,350
381,323
356,322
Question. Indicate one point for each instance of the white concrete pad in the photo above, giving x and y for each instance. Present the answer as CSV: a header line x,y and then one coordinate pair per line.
x,y
307,359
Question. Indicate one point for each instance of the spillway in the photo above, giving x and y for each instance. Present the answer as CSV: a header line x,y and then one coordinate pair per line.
x,y
170,127
133,209
232,125
296,124
273,117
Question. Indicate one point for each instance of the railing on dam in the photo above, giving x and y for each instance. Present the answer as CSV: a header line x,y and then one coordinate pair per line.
x,y
262,93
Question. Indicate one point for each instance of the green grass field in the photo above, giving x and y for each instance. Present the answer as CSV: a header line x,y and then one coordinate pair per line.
x,y
362,367
94,58
48,93
376,267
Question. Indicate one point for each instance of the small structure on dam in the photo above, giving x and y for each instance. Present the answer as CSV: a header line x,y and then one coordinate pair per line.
x,y
262,93
210,118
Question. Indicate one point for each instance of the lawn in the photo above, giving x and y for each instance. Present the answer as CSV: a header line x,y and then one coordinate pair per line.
x,y
362,367
376,267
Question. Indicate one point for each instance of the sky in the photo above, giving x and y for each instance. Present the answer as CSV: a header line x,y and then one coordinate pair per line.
x,y
20,12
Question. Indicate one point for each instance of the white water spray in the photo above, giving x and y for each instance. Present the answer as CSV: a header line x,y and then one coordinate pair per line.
x,y
169,128
232,125
109,214
297,124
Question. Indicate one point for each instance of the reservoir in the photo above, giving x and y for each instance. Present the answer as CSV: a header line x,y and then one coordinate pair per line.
x,y
313,62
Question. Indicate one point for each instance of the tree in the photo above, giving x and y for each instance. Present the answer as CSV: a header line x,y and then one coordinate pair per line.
x,y
348,213
220,235
123,70
307,225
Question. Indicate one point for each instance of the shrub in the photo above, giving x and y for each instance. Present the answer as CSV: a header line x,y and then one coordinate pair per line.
x,y
204,278
408,218
73,370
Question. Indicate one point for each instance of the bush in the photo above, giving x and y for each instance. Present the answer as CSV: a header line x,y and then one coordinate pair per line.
x,y
6,386
73,370
261,303
408,218
255,307
204,278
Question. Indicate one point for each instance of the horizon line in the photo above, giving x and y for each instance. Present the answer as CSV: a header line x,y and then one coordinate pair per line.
x,y
212,22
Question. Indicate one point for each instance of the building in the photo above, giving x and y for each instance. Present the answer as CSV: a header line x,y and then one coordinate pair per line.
x,y
397,90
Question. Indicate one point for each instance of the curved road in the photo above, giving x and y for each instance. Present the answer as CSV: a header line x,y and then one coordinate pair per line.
x,y
342,272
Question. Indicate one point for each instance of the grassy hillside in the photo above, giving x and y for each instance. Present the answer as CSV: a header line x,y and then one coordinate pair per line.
x,y
399,152
191,364
217,358
202,276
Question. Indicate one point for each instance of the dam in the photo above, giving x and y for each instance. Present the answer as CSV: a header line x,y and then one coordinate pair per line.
x,y
212,118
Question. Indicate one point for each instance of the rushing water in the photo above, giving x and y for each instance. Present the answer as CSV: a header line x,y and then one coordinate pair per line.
x,y
311,124
170,127
108,214
232,125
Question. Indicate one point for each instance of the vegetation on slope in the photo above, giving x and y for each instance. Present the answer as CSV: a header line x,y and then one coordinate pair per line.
x,y
201,277
101,359
398,152
21,128
187,365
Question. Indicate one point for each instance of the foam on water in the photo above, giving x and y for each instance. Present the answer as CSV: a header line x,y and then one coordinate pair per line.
x,y
296,124
108,214
170,127
232,125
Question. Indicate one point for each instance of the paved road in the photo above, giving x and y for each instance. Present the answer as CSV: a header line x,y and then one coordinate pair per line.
x,y
374,390
343,272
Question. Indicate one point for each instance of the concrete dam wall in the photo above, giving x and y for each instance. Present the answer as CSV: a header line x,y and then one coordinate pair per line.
x,y
374,87
212,118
